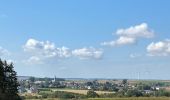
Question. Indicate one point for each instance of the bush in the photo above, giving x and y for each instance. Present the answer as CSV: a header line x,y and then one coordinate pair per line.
x,y
134,93
62,95
162,93
44,89
92,94
108,95
44,95
9,97
30,97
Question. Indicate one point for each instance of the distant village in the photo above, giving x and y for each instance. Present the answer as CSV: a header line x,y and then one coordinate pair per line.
x,y
33,85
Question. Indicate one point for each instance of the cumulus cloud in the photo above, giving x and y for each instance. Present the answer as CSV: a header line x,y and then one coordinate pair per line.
x,y
121,41
141,30
46,49
86,53
42,51
161,48
4,52
33,44
130,35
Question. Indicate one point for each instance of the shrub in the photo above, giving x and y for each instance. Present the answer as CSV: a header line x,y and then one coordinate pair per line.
x,y
92,94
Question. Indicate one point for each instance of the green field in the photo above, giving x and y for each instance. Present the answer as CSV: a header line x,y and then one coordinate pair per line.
x,y
132,98
84,92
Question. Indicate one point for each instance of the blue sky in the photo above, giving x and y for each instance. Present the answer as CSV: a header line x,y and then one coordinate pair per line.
x,y
87,38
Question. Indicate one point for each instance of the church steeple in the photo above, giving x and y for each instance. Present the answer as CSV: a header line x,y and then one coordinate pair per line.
x,y
55,79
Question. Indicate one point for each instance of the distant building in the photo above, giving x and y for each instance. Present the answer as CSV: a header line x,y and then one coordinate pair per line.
x,y
89,87
55,79
38,82
148,91
155,88
32,89
21,89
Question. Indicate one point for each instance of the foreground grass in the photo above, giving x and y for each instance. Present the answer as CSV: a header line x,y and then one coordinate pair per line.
x,y
130,98
133,98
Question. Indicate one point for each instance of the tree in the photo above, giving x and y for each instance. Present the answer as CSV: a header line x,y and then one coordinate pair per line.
x,y
135,93
89,83
115,89
146,87
125,85
32,79
14,81
92,94
124,82
8,82
2,78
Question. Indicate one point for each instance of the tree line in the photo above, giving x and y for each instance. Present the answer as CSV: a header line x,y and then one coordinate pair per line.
x,y
8,82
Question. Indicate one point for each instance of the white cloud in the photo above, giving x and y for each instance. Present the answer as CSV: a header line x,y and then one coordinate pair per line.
x,y
11,61
33,44
130,35
86,53
64,52
46,49
33,60
4,52
43,51
121,41
161,48
141,30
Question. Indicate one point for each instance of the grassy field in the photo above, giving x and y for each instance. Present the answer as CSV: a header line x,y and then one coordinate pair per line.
x,y
80,91
99,92
132,98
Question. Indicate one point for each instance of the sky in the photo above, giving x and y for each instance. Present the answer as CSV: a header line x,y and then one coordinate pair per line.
x,y
86,38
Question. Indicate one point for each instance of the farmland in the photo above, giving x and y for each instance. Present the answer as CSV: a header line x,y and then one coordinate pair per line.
x,y
80,91
44,88
84,92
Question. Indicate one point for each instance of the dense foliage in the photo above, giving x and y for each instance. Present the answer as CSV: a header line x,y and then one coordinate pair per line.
x,y
92,94
62,94
8,82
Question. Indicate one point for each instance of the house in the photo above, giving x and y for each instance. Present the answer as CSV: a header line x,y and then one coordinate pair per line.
x,y
148,91
157,88
39,82
89,87
54,80
32,89
21,89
